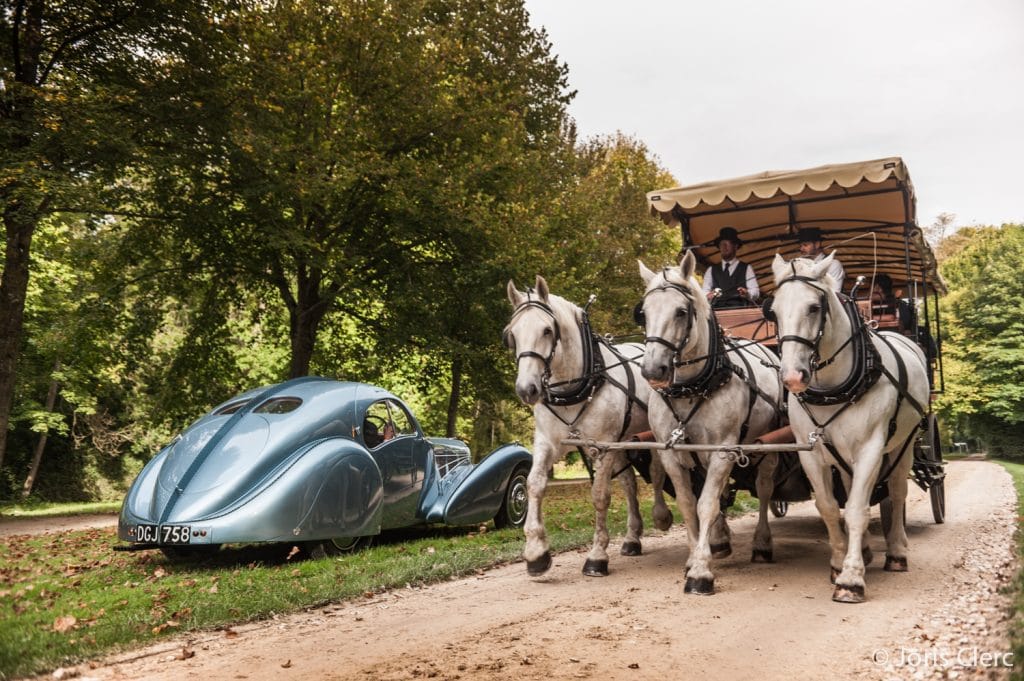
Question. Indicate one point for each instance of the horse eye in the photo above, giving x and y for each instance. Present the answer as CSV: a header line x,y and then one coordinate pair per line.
x,y
681,312
814,309
547,331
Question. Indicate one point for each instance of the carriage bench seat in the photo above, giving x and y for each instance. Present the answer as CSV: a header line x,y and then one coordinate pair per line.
x,y
881,314
747,322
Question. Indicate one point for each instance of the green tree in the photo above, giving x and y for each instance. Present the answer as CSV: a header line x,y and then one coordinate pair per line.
x,y
984,336
370,159
71,76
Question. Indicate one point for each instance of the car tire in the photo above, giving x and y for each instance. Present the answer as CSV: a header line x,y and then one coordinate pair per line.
x,y
341,546
513,507
180,554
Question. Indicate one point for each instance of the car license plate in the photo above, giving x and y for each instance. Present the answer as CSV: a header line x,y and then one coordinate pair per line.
x,y
163,534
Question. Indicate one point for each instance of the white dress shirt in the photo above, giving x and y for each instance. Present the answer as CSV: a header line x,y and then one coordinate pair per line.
x,y
836,270
753,290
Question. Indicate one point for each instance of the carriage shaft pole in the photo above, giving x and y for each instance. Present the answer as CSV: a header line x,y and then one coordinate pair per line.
x,y
747,449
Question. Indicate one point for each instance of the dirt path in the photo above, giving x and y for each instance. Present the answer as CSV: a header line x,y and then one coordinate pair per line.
x,y
767,621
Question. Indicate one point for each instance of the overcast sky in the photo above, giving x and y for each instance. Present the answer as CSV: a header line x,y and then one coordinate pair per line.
x,y
722,88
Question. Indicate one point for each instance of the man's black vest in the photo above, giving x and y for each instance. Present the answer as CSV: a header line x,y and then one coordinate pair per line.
x,y
729,283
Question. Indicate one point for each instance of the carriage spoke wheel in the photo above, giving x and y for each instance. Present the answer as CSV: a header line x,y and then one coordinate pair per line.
x,y
937,491
779,508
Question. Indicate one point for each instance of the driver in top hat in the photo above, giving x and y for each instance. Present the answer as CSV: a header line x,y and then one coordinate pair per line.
x,y
735,278
810,239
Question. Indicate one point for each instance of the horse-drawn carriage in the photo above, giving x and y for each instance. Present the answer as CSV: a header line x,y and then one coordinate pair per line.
x,y
867,212
732,395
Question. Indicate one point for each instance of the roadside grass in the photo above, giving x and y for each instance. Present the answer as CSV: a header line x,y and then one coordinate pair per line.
x,y
47,509
67,598
1016,470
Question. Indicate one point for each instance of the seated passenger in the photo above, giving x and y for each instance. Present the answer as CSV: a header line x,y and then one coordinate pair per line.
x,y
884,301
810,239
371,435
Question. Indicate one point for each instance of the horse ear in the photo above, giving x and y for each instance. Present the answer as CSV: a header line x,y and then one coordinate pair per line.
x,y
779,268
822,267
542,289
687,264
645,273
515,296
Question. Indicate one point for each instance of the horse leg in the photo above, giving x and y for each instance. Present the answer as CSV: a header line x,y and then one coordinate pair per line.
x,y
596,564
685,501
765,484
537,551
850,582
634,523
660,512
700,579
896,537
819,474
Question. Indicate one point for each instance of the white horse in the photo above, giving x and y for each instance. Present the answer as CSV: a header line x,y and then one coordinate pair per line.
x,y
714,390
580,386
859,397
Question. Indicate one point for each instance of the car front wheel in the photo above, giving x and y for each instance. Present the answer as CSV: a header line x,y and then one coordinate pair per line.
x,y
513,508
341,546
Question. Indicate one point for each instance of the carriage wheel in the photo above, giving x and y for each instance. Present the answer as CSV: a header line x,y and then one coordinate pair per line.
x,y
937,490
779,508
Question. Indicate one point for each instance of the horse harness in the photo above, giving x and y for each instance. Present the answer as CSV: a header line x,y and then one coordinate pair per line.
x,y
718,370
867,369
595,372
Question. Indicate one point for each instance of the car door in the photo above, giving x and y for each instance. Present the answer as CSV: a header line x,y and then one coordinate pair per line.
x,y
395,443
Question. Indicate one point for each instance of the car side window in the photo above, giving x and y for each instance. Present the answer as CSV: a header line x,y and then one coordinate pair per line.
x,y
375,423
400,420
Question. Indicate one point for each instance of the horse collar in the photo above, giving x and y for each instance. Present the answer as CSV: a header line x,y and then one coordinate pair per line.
x,y
717,371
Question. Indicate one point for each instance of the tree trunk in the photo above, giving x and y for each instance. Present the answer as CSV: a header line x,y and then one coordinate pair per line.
x,y
13,287
37,456
453,399
19,220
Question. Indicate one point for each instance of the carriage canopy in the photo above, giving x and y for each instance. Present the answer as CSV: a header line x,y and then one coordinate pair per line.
x,y
865,209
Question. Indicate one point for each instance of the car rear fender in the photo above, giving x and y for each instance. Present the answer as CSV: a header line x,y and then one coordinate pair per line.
x,y
334,489
479,495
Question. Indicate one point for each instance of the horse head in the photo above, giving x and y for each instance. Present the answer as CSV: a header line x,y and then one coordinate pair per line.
x,y
535,335
800,308
674,314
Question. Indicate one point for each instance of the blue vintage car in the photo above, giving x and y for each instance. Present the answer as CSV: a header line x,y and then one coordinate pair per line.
x,y
318,463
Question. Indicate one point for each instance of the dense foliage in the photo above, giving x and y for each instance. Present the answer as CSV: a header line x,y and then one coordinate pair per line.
x,y
983,339
330,187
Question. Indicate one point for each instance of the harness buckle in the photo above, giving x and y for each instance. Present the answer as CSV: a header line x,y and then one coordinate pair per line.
x,y
815,436
677,436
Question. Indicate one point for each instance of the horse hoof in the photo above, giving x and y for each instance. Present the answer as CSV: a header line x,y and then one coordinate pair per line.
x,y
721,550
595,568
833,575
853,593
866,555
762,556
631,548
894,564
539,566
702,586
663,524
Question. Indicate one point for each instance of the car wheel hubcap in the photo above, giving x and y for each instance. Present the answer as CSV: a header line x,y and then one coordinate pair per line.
x,y
517,500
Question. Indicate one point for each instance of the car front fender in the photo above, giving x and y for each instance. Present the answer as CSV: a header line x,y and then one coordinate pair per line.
x,y
481,493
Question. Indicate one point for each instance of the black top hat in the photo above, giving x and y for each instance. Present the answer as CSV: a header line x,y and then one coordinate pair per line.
x,y
809,234
730,234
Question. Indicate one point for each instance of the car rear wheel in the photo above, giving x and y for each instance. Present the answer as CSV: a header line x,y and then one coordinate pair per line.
x,y
513,507
340,546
